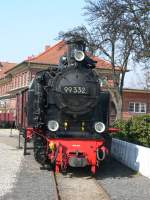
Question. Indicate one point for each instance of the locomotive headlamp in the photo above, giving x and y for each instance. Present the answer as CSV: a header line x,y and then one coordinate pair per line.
x,y
53,125
79,55
83,126
65,125
99,127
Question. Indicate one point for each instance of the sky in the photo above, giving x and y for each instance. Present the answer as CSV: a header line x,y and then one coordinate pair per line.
x,y
26,26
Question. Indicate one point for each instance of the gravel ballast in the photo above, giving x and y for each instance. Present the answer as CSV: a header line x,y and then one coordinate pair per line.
x,y
79,188
20,176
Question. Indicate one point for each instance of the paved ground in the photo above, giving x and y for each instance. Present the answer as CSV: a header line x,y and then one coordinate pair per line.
x,y
10,161
121,183
32,183
9,137
21,177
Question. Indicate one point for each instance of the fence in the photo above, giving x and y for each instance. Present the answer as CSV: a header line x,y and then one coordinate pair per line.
x,y
134,156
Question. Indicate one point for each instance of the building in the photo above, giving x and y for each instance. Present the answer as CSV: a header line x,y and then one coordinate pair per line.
x,y
16,77
135,102
5,84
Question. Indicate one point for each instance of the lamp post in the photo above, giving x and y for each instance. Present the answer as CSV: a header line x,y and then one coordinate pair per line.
x,y
5,111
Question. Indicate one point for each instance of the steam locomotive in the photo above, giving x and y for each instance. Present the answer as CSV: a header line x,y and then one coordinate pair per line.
x,y
68,113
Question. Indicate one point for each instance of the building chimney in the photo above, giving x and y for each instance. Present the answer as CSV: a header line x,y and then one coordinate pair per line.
x,y
30,57
46,47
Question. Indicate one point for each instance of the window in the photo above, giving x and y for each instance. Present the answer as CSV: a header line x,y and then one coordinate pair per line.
x,y
21,80
15,82
131,107
143,107
18,81
25,78
137,107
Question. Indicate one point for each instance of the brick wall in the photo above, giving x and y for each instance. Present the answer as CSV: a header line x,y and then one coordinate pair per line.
x,y
135,97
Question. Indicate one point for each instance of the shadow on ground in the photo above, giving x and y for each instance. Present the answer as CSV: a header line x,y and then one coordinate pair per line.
x,y
114,169
107,169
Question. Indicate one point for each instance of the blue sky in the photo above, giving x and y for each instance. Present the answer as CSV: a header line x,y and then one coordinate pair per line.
x,y
26,26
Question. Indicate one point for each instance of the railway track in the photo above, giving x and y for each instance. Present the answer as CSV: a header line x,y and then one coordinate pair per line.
x,y
70,187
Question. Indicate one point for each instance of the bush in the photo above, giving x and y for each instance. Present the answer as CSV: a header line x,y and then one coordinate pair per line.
x,y
135,130
123,126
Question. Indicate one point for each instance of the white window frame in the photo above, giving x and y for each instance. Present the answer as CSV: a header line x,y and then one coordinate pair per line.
x,y
141,105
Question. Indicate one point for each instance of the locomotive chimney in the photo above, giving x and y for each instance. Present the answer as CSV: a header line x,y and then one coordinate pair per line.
x,y
74,44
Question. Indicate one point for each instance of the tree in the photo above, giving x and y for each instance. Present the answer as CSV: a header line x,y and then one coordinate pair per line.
x,y
138,18
146,78
118,31
123,30
133,15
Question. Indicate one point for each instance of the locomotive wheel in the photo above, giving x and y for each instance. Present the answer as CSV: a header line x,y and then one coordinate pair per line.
x,y
39,156
39,150
108,140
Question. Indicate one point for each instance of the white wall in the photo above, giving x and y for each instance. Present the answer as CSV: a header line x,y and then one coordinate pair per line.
x,y
134,156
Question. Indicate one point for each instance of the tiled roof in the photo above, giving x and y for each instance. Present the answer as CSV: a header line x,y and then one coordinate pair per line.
x,y
52,54
5,66
101,63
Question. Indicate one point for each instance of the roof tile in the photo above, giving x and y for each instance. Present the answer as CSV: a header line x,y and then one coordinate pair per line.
x,y
5,66
52,54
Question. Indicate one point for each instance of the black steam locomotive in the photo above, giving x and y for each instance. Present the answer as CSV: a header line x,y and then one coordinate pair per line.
x,y
68,110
